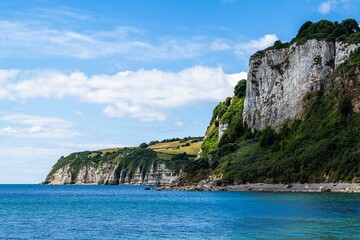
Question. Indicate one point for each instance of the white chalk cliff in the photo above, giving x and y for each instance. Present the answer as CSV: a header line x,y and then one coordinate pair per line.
x,y
109,174
278,80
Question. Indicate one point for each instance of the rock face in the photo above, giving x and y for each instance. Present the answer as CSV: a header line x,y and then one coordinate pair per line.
x,y
158,175
278,80
222,128
108,174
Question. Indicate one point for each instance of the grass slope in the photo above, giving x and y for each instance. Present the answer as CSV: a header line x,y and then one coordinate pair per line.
x,y
176,147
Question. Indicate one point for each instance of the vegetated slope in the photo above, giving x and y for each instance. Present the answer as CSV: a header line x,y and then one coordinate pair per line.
x,y
189,145
324,145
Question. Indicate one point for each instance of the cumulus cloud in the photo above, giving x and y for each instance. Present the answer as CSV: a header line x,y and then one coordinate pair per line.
x,y
142,94
325,7
31,126
247,48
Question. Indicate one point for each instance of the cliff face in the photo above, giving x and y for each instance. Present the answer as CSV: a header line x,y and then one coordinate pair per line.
x,y
108,175
314,84
89,174
123,166
158,175
278,80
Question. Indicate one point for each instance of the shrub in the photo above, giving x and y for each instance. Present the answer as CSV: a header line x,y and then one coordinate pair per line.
x,y
143,145
240,88
268,137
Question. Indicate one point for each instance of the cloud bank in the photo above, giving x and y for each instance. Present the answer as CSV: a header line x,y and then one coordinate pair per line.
x,y
38,40
144,94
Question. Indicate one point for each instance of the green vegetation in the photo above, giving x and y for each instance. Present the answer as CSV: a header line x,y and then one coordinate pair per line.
x,y
350,65
139,158
240,88
347,31
188,145
227,112
143,145
322,147
185,139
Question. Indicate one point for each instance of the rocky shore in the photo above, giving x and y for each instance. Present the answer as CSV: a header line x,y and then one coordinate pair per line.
x,y
263,187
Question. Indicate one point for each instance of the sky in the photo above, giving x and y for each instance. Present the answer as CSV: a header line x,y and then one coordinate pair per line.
x,y
81,75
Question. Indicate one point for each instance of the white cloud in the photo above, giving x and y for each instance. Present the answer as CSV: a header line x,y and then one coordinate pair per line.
x,y
179,123
79,113
219,45
33,40
142,94
30,126
341,6
248,48
325,7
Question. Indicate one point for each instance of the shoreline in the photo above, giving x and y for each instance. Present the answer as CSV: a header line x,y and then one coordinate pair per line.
x,y
263,187
249,187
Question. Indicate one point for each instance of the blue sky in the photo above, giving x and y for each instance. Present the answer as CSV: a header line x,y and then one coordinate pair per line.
x,y
84,75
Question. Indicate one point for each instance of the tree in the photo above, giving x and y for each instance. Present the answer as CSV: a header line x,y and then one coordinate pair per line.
x,y
350,26
143,145
240,88
268,137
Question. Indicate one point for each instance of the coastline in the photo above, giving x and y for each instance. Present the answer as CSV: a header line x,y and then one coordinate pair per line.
x,y
263,187
249,187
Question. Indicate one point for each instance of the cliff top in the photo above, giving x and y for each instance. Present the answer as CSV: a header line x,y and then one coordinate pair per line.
x,y
347,31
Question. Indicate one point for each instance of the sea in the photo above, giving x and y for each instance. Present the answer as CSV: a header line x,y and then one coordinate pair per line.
x,y
130,212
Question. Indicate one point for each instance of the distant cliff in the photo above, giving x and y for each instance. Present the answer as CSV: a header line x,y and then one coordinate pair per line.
x,y
126,166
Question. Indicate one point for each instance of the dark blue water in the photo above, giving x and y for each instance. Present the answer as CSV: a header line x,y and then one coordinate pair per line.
x,y
116,212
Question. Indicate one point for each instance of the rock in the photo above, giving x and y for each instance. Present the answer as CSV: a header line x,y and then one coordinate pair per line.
x,y
222,128
269,181
147,188
238,181
278,80
105,174
288,186
324,189
218,183
356,180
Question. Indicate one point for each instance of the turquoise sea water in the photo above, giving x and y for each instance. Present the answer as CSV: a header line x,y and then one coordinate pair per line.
x,y
118,212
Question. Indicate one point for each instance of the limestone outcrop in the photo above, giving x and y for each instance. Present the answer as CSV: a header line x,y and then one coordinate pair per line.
x,y
110,174
278,80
